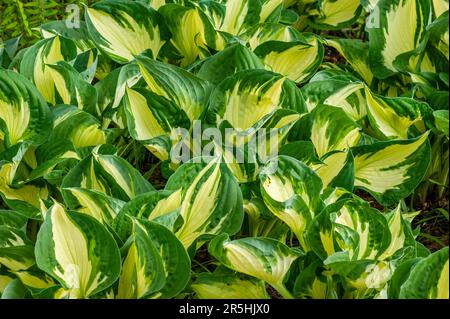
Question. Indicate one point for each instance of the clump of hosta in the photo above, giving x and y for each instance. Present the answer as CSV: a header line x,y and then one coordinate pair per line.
x,y
273,159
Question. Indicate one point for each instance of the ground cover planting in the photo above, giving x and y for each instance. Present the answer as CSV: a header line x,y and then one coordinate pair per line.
x,y
246,149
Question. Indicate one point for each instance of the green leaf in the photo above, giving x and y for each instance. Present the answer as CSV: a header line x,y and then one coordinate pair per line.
x,y
428,278
230,61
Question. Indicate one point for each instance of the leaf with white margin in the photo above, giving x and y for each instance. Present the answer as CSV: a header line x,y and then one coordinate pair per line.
x,y
78,251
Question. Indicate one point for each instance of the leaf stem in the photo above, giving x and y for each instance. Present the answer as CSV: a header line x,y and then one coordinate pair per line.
x,y
283,291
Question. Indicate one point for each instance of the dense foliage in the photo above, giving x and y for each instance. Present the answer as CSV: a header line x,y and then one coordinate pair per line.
x,y
97,202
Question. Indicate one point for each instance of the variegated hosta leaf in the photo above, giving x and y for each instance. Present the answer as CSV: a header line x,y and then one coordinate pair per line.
x,y
347,94
25,198
5,280
111,91
263,258
194,41
157,206
78,251
441,121
16,250
231,60
438,44
401,233
70,88
24,115
35,279
428,279
142,270
291,190
261,222
212,200
12,219
150,116
391,170
77,126
216,286
314,283
187,91
393,117
332,130
439,7
10,237
271,32
17,258
396,27
36,61
63,29
246,98
124,29
336,14
176,262
102,207
356,53
109,174
240,15
295,60
244,152
336,170
352,230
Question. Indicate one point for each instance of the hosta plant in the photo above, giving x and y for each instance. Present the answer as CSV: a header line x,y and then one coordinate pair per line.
x,y
284,173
